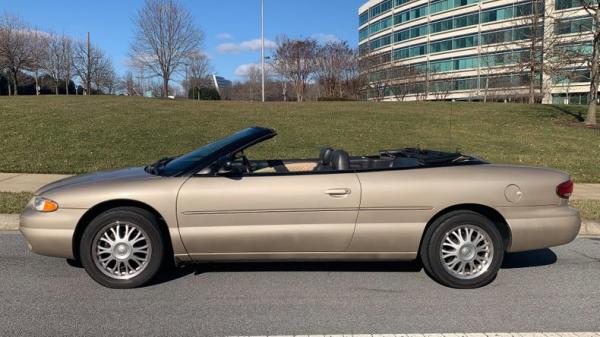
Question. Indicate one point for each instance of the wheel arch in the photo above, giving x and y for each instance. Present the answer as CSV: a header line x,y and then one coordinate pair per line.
x,y
487,211
110,204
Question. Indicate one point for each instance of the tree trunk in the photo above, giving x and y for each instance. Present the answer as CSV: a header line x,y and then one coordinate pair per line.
x,y
67,87
15,84
593,94
37,87
591,114
56,88
532,85
165,87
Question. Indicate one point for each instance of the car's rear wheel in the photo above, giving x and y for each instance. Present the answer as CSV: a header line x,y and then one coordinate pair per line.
x,y
122,248
462,249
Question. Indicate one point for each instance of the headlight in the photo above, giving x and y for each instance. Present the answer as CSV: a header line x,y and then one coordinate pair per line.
x,y
44,205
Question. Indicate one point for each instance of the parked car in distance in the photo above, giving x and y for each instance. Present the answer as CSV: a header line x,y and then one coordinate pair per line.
x,y
456,213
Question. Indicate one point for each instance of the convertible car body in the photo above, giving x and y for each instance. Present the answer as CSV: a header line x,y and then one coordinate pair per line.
x,y
456,213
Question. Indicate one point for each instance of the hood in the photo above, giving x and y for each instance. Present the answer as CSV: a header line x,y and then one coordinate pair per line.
x,y
92,178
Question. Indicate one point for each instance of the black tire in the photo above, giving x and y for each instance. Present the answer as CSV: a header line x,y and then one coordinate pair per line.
x,y
141,218
434,237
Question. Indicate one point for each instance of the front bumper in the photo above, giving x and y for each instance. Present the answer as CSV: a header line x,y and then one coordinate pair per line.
x,y
541,227
50,234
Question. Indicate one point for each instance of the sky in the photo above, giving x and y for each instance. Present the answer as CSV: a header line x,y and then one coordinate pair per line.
x,y
231,27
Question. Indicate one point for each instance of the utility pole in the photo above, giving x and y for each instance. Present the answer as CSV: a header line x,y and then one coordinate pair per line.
x,y
262,45
88,78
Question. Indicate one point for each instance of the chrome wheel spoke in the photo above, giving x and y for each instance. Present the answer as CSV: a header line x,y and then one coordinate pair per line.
x,y
466,251
121,250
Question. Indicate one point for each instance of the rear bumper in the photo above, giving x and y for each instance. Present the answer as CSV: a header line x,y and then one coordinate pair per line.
x,y
50,234
541,227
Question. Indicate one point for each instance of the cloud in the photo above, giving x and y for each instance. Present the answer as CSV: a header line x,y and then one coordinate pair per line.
x,y
246,46
244,69
324,38
224,36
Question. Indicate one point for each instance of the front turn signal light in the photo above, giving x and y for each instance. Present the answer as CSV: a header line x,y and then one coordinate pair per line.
x,y
44,205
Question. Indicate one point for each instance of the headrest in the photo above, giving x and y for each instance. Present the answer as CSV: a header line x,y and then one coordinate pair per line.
x,y
340,160
325,155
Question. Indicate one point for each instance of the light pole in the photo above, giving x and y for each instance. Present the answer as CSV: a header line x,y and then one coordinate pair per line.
x,y
262,45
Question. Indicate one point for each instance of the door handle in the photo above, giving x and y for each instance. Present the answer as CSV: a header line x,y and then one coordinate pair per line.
x,y
338,192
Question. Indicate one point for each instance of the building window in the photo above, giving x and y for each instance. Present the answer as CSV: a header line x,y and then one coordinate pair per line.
x,y
506,12
570,26
443,5
565,4
363,18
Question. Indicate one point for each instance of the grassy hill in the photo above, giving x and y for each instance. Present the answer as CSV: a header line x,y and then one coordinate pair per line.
x,y
82,134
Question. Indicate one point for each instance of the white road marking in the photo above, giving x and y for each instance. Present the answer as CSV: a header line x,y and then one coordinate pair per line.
x,y
487,334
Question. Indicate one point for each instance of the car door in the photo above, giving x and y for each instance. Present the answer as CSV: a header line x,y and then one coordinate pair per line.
x,y
274,213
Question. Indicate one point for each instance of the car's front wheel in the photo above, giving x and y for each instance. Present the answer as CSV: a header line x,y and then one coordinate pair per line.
x,y
462,249
122,248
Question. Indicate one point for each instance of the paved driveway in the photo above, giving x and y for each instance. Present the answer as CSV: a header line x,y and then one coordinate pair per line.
x,y
547,290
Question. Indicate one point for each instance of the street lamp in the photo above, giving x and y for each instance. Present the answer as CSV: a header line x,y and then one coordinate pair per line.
x,y
262,45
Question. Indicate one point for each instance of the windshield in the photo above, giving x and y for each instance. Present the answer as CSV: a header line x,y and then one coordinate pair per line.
x,y
209,153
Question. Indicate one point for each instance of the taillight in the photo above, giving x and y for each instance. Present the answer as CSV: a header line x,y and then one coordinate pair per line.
x,y
565,189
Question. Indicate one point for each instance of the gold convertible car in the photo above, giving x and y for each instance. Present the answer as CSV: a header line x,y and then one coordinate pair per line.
x,y
455,213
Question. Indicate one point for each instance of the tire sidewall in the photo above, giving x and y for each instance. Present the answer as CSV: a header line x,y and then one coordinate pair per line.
x,y
139,217
449,222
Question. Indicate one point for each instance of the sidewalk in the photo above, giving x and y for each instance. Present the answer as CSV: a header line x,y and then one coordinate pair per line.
x,y
25,182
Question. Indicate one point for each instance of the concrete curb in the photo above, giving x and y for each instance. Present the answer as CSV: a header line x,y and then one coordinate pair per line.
x,y
590,228
10,222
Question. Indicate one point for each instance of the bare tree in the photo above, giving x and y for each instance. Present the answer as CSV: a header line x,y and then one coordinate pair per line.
x,y
198,69
592,7
57,60
106,78
332,60
92,66
164,39
538,43
353,81
14,47
294,60
39,52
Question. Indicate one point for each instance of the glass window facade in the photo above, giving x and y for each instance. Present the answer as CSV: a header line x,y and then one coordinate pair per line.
x,y
455,22
570,26
444,5
572,76
381,42
458,84
505,35
462,63
411,33
454,43
566,4
490,15
363,18
381,8
412,51
423,74
410,14
380,25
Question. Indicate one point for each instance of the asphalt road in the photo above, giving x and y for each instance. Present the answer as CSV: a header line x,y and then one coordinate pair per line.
x,y
547,290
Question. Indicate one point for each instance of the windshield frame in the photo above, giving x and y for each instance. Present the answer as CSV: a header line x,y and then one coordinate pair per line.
x,y
233,143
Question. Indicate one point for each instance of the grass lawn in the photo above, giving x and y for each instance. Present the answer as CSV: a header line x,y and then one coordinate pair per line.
x,y
81,134
590,209
15,202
